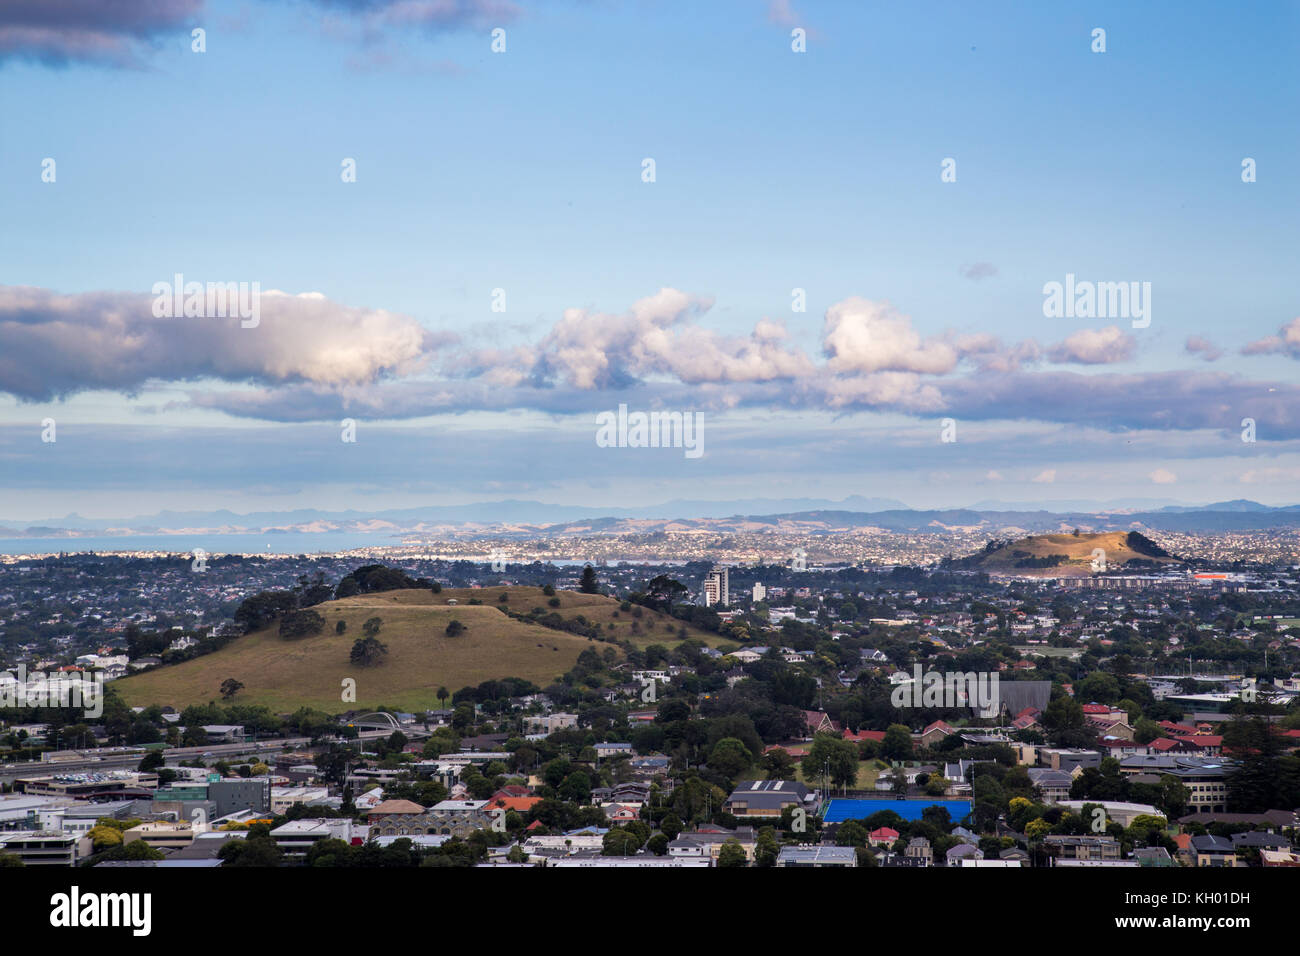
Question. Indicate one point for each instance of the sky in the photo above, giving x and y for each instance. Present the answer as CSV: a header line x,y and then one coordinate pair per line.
x,y
826,230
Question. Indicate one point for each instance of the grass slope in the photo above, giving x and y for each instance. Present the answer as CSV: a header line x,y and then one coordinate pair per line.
x,y
285,675
651,628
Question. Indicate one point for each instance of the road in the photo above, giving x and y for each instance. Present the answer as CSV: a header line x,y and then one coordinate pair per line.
x,y
85,761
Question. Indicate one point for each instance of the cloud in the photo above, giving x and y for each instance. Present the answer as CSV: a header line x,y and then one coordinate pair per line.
x,y
1196,345
864,336
1286,342
901,391
979,270
313,359
658,336
989,354
1094,347
376,18
1181,400
782,13
1163,476
1045,477
106,32
54,345
1272,475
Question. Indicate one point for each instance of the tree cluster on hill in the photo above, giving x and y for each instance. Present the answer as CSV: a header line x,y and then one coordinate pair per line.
x,y
368,651
1140,543
302,622
1026,560
378,577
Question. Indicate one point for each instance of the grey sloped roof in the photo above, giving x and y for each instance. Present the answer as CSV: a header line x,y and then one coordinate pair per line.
x,y
1016,695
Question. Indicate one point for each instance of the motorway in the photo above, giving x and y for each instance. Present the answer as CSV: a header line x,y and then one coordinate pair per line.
x,y
86,761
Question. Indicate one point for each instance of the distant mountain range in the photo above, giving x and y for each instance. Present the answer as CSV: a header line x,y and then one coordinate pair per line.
x,y
531,518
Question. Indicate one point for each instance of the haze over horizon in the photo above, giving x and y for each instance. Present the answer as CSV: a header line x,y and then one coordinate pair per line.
x,y
538,512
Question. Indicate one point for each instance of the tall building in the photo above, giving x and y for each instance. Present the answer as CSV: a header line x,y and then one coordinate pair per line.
x,y
716,587
760,592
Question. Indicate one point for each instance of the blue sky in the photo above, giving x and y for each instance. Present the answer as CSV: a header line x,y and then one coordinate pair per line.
x,y
521,171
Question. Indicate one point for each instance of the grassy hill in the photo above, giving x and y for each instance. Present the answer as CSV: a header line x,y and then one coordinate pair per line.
x,y
1054,555
287,674
651,627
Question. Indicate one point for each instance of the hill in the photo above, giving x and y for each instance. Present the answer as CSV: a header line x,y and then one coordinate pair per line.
x,y
1055,555
308,672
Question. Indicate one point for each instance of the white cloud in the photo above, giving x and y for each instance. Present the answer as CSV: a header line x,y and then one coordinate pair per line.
x,y
864,336
1197,345
54,345
1268,476
1095,347
1286,342
590,349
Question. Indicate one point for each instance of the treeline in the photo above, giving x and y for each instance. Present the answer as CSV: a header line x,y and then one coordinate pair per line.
x,y
266,607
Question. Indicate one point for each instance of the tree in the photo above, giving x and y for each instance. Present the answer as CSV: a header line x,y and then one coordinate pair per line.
x,y
834,757
153,760
671,825
589,583
1098,686
372,626
766,848
1063,713
620,841
302,623
379,577
262,608
897,744
341,626
730,758
136,850
662,592
103,837
576,787
1259,782
367,651
936,786
1173,796
732,854
455,629
257,849
778,764
230,687
851,833
898,781
1146,730
442,696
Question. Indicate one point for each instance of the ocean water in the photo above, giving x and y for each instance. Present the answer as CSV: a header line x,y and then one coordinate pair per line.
x,y
290,543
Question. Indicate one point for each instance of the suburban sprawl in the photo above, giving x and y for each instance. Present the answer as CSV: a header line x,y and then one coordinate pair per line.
x,y
1078,700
